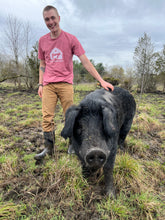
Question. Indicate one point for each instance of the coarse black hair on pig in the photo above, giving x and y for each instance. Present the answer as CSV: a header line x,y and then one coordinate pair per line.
x,y
73,112
96,127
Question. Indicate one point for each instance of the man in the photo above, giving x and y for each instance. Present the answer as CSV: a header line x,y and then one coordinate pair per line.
x,y
55,53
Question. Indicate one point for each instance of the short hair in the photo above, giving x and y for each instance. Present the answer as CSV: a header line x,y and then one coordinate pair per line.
x,y
49,7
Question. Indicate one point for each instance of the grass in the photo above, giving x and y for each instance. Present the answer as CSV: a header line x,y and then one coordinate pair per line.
x,y
127,170
30,163
117,209
147,123
147,205
150,109
4,131
162,135
143,205
85,87
9,164
4,117
12,211
30,122
137,146
56,188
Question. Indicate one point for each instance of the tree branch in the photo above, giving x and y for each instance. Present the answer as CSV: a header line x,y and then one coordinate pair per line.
x,y
13,77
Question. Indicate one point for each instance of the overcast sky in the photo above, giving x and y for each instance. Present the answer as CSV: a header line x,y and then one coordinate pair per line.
x,y
108,29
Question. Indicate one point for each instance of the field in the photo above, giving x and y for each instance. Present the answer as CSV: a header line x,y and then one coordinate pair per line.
x,y
56,189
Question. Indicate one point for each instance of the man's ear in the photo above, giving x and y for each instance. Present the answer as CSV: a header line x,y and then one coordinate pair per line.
x,y
70,118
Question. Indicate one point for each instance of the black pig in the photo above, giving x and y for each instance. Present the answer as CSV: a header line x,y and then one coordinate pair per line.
x,y
97,126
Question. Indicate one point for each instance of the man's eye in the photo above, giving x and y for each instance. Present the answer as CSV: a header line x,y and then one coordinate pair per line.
x,y
46,19
52,17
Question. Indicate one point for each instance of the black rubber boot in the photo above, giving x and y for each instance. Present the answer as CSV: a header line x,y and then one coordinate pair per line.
x,y
49,140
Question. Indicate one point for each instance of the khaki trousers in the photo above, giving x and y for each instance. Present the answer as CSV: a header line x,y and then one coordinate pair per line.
x,y
51,93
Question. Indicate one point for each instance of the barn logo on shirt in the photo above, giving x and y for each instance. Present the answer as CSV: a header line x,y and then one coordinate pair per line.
x,y
56,55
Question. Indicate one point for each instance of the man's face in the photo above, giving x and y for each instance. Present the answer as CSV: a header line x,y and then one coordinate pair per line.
x,y
52,20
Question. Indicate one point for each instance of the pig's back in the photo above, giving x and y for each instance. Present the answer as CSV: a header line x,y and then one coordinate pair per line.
x,y
119,98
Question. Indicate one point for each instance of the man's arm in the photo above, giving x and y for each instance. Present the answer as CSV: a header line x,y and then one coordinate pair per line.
x,y
41,72
91,69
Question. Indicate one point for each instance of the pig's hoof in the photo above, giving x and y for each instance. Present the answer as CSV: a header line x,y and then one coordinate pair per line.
x,y
111,194
38,162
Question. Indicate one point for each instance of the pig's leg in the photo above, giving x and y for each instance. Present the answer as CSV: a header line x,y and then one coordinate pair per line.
x,y
108,174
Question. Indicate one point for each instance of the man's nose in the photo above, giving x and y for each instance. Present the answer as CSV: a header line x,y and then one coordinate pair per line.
x,y
51,20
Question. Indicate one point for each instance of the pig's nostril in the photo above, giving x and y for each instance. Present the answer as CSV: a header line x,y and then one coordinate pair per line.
x,y
101,159
91,159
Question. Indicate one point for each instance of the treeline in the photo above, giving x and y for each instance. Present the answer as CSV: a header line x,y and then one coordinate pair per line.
x,y
149,66
20,66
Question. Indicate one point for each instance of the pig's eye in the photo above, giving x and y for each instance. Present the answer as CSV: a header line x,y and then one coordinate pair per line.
x,y
78,131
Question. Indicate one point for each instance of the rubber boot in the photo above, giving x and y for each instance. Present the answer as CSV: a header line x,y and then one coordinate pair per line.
x,y
49,140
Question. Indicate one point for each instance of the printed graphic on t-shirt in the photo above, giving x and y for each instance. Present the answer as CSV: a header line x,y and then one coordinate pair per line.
x,y
56,55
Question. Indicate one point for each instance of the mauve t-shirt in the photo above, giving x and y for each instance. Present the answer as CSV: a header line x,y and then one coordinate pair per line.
x,y
57,54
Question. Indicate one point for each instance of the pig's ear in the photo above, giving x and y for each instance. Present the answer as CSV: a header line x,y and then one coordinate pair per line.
x,y
70,117
109,121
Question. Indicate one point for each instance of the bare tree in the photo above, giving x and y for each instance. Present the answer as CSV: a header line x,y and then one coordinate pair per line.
x,y
27,68
143,57
16,37
13,38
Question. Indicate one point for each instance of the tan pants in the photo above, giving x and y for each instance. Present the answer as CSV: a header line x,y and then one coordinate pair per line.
x,y
51,93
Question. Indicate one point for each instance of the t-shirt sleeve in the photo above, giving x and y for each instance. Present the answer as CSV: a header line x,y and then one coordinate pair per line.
x,y
77,48
40,51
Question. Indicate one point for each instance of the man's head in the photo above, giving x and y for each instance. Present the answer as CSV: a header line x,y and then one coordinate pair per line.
x,y
52,19
49,7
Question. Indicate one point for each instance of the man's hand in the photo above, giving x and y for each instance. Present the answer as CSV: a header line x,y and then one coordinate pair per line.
x,y
40,91
107,85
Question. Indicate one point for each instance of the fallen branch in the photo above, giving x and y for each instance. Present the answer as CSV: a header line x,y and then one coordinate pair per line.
x,y
13,77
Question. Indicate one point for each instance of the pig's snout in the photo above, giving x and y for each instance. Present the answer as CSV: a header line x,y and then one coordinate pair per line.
x,y
95,158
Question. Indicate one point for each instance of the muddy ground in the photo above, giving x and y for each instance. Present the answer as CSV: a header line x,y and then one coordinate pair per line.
x,y
37,187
